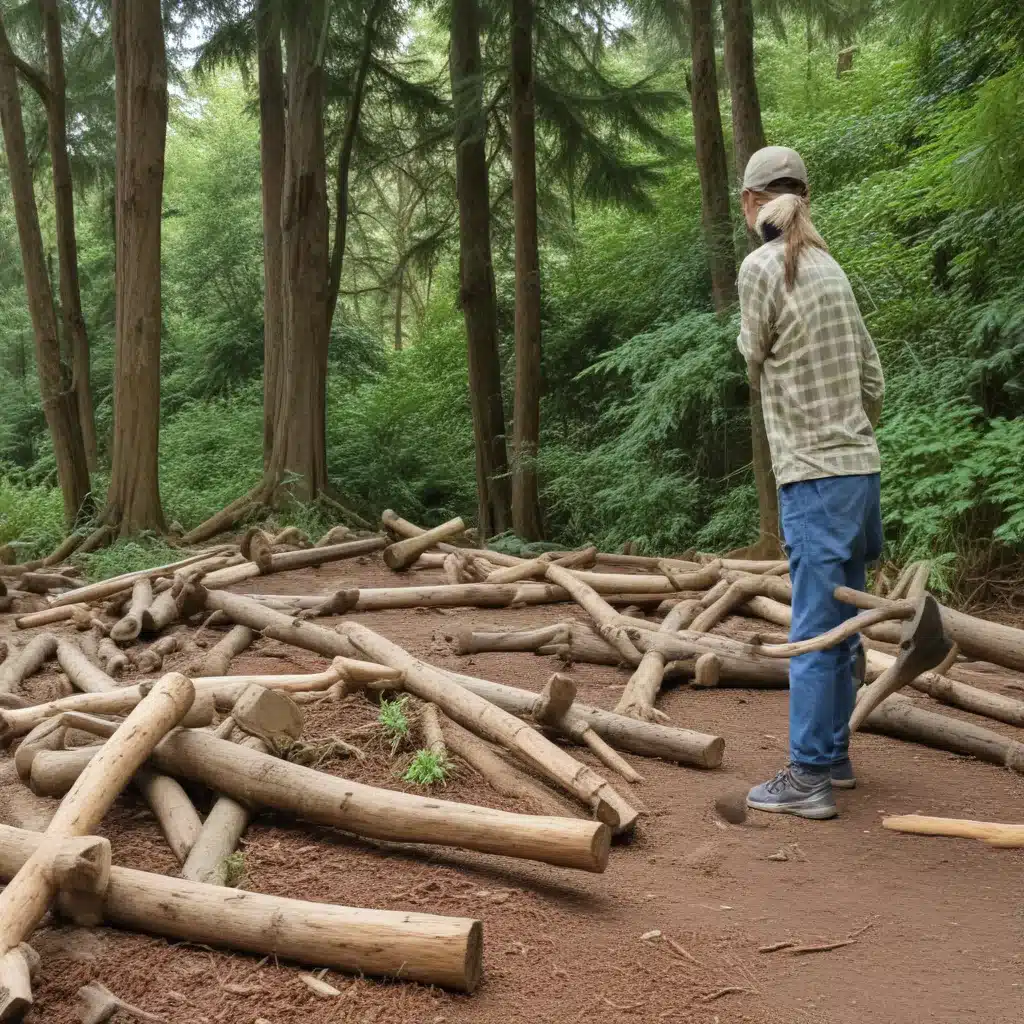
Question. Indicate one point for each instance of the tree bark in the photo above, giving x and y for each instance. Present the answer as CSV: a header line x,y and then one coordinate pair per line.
x,y
133,501
711,162
299,440
747,129
345,150
476,272
58,395
67,247
526,515
272,135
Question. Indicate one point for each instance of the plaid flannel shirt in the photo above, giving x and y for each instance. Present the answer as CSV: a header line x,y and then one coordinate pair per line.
x,y
815,363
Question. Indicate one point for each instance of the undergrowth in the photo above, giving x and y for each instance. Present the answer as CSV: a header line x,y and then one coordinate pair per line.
x,y
427,769
394,721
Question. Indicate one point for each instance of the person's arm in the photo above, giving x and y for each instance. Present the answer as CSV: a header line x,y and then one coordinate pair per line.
x,y
872,381
756,319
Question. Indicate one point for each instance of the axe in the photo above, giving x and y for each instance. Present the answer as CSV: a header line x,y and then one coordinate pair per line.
x,y
923,646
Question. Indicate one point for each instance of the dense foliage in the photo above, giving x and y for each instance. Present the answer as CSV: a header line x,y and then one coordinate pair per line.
x,y
917,165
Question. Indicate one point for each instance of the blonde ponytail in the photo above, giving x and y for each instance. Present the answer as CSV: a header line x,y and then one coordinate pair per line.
x,y
790,214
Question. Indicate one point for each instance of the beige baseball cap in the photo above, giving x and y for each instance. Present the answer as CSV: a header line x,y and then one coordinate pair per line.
x,y
770,164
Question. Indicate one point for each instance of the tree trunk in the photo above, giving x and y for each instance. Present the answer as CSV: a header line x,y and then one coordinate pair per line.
x,y
526,517
711,163
272,134
348,142
59,403
477,292
67,248
747,129
299,441
133,500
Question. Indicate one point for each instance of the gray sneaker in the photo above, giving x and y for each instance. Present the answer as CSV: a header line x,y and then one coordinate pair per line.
x,y
798,791
843,776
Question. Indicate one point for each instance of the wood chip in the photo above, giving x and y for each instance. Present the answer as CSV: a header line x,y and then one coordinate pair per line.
x,y
647,936
318,987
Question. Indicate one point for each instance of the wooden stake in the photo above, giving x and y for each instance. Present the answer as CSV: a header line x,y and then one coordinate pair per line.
x,y
435,950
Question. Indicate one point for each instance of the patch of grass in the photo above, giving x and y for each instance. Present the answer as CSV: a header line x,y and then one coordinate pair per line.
x,y
427,769
234,870
144,552
32,517
394,721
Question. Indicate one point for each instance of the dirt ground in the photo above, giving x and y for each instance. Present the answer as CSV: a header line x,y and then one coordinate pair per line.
x,y
938,924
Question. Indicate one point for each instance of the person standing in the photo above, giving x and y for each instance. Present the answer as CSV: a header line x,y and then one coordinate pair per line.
x,y
821,384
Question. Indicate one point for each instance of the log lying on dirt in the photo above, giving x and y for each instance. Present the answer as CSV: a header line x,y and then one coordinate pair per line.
x,y
1009,837
29,660
485,719
218,658
115,661
25,900
899,716
977,638
401,555
116,584
475,641
289,560
538,566
82,673
126,629
249,776
435,950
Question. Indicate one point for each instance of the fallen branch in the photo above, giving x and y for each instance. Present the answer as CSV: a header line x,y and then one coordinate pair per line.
x,y
995,834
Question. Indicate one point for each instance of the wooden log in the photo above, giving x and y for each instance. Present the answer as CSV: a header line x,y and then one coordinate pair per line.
x,y
29,660
335,535
47,735
126,629
151,660
957,694
84,675
256,546
918,585
178,818
899,588
977,638
605,618
435,950
696,579
219,657
1008,837
43,582
289,560
260,779
537,566
25,900
641,691
707,672
115,661
160,613
430,730
483,718
899,716
453,570
402,554
106,588
475,641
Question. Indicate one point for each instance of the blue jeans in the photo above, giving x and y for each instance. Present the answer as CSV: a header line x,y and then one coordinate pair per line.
x,y
833,528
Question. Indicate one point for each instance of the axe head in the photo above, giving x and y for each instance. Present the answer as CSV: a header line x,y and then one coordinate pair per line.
x,y
924,644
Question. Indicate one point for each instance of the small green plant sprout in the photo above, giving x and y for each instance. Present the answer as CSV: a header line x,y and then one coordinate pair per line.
x,y
394,721
427,768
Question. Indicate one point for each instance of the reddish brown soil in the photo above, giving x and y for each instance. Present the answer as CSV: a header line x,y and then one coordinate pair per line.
x,y
940,922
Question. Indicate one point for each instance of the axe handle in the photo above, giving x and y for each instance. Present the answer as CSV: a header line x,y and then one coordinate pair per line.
x,y
993,833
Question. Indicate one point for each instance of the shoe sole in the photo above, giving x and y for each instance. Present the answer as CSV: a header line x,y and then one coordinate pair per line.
x,y
814,813
844,783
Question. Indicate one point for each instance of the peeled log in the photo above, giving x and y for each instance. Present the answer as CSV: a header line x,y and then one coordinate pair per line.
x,y
1009,837
260,779
900,717
427,948
80,670
219,657
178,818
159,614
25,900
29,660
401,555
130,626
484,718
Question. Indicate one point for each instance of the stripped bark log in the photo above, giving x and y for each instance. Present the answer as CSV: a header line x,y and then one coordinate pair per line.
x,y
29,660
178,818
430,731
899,716
538,566
1008,837
400,556
435,950
159,614
84,675
128,628
218,658
483,718
475,641
28,895
330,800
115,661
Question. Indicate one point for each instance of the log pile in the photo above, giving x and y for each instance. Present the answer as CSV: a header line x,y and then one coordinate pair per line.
x,y
571,767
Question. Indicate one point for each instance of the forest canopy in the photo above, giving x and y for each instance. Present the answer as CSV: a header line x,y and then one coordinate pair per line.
x,y
908,117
